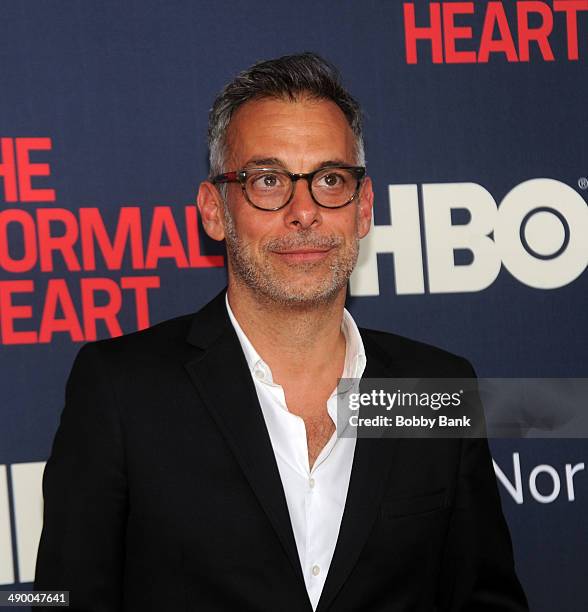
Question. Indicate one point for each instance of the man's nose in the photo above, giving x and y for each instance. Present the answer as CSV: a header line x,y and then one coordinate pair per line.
x,y
302,212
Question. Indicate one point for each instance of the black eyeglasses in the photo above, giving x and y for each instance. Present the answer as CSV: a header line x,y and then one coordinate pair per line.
x,y
273,188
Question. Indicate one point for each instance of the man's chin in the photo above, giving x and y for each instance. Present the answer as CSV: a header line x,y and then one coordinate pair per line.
x,y
293,284
303,293
293,266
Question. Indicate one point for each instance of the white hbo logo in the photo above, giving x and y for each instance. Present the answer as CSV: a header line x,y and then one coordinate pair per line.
x,y
539,232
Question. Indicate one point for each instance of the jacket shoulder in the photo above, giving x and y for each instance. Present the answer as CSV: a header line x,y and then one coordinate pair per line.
x,y
414,357
165,344
162,342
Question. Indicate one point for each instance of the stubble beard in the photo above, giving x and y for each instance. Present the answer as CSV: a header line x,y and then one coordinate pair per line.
x,y
269,283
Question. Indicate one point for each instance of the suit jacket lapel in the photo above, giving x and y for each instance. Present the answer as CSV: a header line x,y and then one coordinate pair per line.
x,y
371,464
223,381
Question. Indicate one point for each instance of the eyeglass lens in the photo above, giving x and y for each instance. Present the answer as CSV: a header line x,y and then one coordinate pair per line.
x,y
272,188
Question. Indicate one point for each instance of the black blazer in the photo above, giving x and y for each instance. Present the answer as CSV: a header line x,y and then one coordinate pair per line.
x,y
162,492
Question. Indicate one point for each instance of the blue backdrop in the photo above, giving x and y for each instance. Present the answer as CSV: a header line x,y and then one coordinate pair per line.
x,y
106,104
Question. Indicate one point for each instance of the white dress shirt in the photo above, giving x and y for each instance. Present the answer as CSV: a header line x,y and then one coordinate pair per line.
x,y
315,498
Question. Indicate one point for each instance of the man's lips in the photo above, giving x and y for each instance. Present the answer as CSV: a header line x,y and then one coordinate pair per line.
x,y
303,255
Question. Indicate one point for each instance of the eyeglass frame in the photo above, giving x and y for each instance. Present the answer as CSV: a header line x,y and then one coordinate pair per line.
x,y
240,176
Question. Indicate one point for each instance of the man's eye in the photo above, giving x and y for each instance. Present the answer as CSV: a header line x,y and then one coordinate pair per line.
x,y
266,181
332,179
270,180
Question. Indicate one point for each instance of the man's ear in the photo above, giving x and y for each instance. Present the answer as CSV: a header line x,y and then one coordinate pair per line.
x,y
366,206
210,206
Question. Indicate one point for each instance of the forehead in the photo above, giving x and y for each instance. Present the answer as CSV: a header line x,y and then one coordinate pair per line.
x,y
304,132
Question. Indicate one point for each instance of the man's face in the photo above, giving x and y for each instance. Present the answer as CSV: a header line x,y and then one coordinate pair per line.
x,y
303,253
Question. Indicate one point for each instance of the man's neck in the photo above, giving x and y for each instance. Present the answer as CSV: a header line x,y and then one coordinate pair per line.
x,y
292,340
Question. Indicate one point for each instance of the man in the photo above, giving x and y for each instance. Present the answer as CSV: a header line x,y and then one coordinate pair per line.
x,y
198,465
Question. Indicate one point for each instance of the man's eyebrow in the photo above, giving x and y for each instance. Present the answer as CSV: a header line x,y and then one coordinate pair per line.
x,y
273,162
332,162
265,161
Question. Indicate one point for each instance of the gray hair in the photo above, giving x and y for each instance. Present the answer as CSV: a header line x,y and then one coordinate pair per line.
x,y
290,77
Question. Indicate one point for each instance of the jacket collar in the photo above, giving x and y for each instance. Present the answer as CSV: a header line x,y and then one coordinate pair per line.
x,y
209,323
